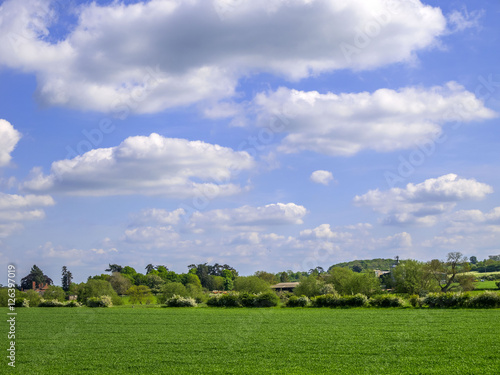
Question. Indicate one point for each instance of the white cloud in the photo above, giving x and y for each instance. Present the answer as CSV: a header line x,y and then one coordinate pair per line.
x,y
107,61
462,20
8,141
160,216
152,165
385,120
15,209
71,256
423,203
254,218
321,177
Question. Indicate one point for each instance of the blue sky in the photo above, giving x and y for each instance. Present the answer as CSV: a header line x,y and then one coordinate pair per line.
x,y
269,135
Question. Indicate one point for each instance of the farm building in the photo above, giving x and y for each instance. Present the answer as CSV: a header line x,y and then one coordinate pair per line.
x,y
285,287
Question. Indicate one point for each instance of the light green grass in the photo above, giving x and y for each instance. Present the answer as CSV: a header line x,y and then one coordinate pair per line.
x,y
124,340
486,285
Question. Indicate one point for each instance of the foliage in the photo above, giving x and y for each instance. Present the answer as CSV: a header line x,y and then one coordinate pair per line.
x,y
102,301
95,288
36,275
168,290
224,300
268,277
386,300
67,278
54,293
154,282
412,277
346,281
498,284
357,300
416,301
326,300
228,283
267,299
73,304
140,294
178,301
295,301
445,273
251,284
51,303
119,283
485,300
33,297
447,300
367,264
309,286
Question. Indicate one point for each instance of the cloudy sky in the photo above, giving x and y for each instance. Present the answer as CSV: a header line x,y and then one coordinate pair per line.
x,y
266,134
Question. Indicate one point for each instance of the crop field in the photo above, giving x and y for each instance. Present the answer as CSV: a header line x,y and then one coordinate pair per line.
x,y
124,340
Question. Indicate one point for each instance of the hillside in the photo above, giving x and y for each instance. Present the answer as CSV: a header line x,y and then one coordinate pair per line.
x,y
371,264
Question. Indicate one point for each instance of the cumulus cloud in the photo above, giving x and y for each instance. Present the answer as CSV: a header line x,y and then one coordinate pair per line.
x,y
462,20
423,203
8,141
250,217
385,120
152,165
321,177
151,55
15,209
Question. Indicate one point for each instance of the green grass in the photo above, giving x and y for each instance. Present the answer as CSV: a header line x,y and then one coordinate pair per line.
x,y
124,340
486,285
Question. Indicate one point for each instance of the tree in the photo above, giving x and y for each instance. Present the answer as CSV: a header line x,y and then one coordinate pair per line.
x,y
96,288
445,272
149,268
36,275
251,284
155,282
140,294
114,268
309,286
283,277
473,259
119,283
54,293
270,278
346,281
411,276
357,268
169,289
66,279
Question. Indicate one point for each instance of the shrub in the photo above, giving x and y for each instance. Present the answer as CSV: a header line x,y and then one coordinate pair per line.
x,y
73,304
168,290
224,300
178,301
33,297
416,301
447,300
386,301
26,303
295,301
20,302
103,301
51,303
485,300
498,284
357,300
267,299
326,300
251,284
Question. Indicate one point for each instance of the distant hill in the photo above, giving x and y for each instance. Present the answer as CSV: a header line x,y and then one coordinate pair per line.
x,y
368,264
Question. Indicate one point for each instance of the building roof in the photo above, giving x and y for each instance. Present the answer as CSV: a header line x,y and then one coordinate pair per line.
x,y
285,285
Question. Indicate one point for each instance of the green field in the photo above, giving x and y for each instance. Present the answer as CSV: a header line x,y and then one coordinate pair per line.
x,y
124,340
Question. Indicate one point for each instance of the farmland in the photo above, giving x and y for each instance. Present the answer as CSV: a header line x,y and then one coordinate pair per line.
x,y
247,341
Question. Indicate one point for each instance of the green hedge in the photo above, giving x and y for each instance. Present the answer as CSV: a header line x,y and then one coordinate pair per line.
x,y
386,300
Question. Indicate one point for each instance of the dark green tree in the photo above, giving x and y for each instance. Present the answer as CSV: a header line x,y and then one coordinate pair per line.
x,y
114,268
36,275
149,268
66,279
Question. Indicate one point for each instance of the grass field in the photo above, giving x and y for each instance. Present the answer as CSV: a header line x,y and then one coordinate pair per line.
x,y
124,340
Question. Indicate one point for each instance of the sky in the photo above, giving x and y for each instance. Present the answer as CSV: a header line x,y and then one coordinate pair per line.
x,y
268,135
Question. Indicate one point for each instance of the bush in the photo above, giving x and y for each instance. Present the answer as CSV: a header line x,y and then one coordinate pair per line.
x,y
178,301
251,284
485,300
21,302
267,299
295,301
357,300
416,301
224,300
498,284
73,304
386,301
26,303
170,289
103,301
51,303
447,300
326,300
